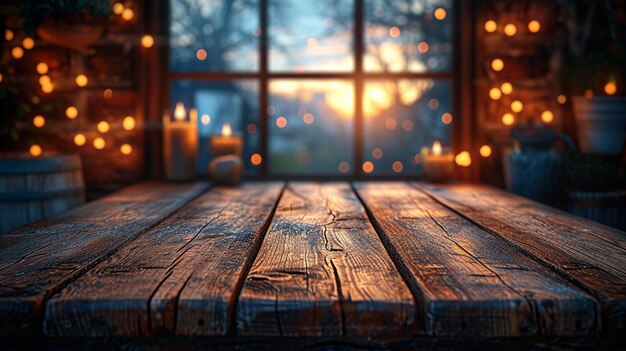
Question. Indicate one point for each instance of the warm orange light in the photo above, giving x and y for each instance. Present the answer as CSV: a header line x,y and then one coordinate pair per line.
x,y
251,128
510,29
147,41
201,54
534,26
589,93
118,8
71,112
8,35
179,112
547,116
390,123
433,104
80,139
256,159
506,88
610,88
81,80
17,52
128,14
446,118
44,80
1,77
491,26
423,47
407,125
227,130
205,119
99,143
344,167
394,32
281,122
440,14
485,151
42,68
126,149
495,94
561,99
368,167
463,159
47,88
128,123
28,43
517,106
35,150
397,166
377,153
39,121
108,94
497,65
436,149
308,118
103,127
508,119
311,41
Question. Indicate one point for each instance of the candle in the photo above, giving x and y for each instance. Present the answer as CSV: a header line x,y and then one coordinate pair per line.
x,y
438,162
226,143
180,142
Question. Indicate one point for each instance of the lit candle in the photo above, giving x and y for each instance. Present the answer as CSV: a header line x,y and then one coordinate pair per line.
x,y
226,143
438,162
180,143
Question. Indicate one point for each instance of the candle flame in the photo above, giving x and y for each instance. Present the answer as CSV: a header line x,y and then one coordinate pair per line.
x,y
179,112
436,148
226,130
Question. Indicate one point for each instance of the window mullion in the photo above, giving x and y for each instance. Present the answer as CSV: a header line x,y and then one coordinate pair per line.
x,y
358,87
263,85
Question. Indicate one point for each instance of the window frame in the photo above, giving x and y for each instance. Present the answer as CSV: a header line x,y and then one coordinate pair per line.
x,y
358,76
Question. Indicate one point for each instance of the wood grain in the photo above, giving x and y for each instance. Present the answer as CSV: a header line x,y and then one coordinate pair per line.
x,y
322,271
183,274
587,253
467,281
39,259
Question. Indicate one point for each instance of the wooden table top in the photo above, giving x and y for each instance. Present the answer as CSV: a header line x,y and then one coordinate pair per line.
x,y
365,261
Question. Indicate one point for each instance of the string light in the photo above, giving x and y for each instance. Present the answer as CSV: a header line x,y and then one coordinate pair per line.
x,y
491,26
547,116
534,26
99,143
43,80
35,150
368,167
39,121
81,80
390,123
126,149
588,94
103,127
80,139
8,35
508,119
495,94
397,166
308,118
17,52
128,14
281,122
394,32
510,29
47,88
561,99
71,112
311,42
344,167
610,88
128,123
251,128
423,47
497,65
1,77
256,159
446,118
118,8
201,54
42,68
485,151
147,41
28,43
377,153
517,106
108,94
440,14
463,159
407,125
506,88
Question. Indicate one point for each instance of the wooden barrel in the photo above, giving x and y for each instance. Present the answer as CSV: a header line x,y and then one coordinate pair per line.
x,y
35,188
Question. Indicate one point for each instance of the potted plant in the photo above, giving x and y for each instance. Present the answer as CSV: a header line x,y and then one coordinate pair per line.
x,y
594,74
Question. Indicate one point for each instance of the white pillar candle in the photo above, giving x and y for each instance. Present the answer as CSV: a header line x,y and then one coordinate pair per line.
x,y
180,144
438,163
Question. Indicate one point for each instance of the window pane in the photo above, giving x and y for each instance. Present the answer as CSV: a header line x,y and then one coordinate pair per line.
x,y
310,126
402,116
408,36
214,35
234,102
311,35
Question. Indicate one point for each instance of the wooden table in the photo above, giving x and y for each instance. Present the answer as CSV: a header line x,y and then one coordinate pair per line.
x,y
370,264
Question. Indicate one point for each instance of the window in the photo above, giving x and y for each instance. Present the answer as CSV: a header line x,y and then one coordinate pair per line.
x,y
318,88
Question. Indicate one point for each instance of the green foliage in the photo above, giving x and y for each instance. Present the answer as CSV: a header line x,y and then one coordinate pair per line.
x,y
35,12
589,173
593,71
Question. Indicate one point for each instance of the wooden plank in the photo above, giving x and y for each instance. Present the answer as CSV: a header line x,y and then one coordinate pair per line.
x,y
322,271
589,254
467,281
39,259
185,273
